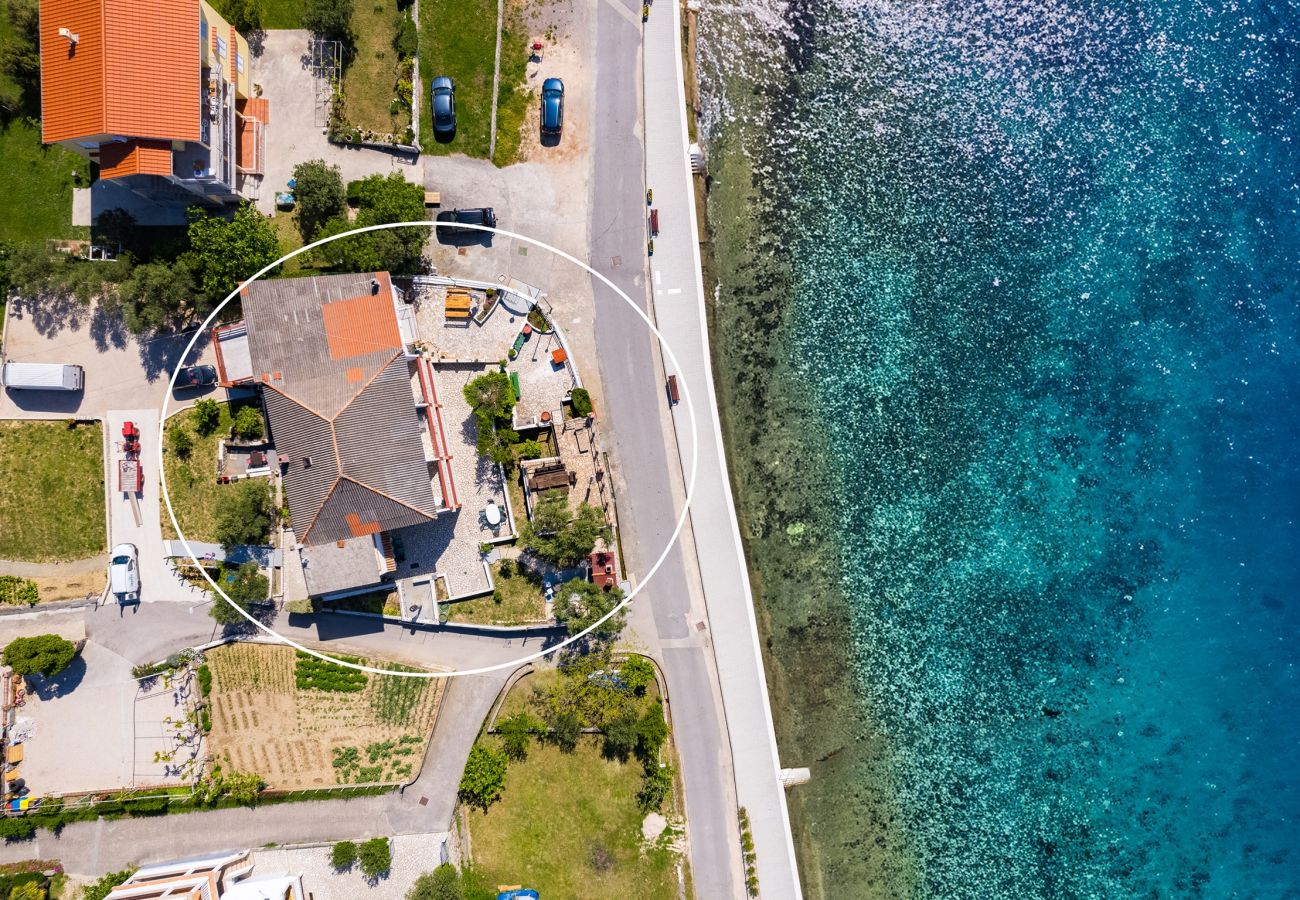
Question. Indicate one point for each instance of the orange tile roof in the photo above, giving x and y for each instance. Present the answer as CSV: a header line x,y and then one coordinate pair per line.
x,y
361,325
134,71
135,158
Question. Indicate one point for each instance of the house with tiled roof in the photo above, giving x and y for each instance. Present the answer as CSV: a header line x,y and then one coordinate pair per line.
x,y
353,416
158,94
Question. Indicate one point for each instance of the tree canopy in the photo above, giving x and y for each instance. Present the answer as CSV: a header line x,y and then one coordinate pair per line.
x,y
157,295
579,603
223,253
320,196
46,654
562,537
443,883
329,18
380,200
244,513
248,587
484,777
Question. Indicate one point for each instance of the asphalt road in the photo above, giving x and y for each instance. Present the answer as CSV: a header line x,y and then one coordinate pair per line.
x,y
632,380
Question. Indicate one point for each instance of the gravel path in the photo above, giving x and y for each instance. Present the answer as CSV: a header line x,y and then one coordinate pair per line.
x,y
22,569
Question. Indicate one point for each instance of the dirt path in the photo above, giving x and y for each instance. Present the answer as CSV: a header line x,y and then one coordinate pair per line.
x,y
88,566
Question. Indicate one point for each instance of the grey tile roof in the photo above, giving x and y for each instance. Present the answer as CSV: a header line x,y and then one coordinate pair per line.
x,y
337,389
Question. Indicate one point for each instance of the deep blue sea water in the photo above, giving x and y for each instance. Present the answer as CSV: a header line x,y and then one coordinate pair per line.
x,y
1042,259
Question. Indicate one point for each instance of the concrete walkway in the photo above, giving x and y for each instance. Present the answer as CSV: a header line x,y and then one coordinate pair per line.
x,y
680,315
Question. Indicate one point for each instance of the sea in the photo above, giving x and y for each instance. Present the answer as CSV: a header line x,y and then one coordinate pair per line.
x,y
1006,329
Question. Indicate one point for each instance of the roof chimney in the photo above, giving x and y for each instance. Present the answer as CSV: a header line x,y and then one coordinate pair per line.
x,y
306,462
374,285
72,36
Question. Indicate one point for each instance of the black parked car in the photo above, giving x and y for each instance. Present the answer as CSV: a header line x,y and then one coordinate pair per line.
x,y
481,216
443,97
196,376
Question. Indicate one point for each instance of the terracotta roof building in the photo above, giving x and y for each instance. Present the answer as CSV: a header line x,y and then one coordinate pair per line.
x,y
157,93
351,414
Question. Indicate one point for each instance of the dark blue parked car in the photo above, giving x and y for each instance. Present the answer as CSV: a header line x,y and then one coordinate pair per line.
x,y
552,106
443,96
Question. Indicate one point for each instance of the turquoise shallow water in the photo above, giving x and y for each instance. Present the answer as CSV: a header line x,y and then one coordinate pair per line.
x,y
1041,267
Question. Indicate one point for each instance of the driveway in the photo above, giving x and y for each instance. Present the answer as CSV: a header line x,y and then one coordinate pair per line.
x,y
157,580
121,369
297,130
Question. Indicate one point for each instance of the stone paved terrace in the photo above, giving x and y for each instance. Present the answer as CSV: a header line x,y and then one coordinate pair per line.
x,y
473,342
413,855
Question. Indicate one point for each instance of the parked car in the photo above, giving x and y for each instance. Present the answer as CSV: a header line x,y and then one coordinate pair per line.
x,y
443,99
552,106
124,574
483,215
42,376
196,376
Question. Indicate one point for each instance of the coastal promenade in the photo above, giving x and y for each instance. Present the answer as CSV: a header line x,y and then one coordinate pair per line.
x,y
678,304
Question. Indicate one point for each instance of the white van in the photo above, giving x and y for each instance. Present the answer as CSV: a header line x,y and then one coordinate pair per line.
x,y
41,377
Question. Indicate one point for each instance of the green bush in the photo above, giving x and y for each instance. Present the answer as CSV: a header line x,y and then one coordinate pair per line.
x,y
244,514
376,857
47,654
248,423
581,402
516,733
343,855
484,777
15,590
101,888
180,439
407,39
319,194
205,679
207,415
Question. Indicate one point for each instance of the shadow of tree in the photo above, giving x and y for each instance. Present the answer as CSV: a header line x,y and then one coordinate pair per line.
x,y
51,313
107,328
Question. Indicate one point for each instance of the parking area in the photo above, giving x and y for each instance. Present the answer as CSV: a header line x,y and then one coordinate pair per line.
x,y
297,129
413,855
120,369
91,729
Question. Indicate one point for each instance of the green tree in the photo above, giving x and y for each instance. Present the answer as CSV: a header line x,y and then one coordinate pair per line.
x,y
530,450
329,18
244,513
581,402
248,586
20,58
248,423
491,394
579,603
180,439
376,857
100,889
343,855
47,654
443,883
27,890
565,730
242,787
484,777
516,733
156,295
320,196
207,415
637,673
380,200
550,517
245,15
620,738
223,253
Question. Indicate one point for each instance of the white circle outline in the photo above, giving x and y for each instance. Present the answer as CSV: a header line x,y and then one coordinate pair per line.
x,y
663,556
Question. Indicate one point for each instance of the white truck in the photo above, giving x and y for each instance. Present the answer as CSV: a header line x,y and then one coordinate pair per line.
x,y
17,376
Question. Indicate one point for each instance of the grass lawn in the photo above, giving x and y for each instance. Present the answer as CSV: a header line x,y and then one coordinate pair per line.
x,y
51,490
567,825
192,481
513,95
275,13
371,75
459,38
36,183
521,602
